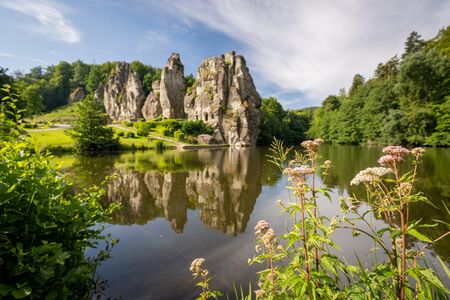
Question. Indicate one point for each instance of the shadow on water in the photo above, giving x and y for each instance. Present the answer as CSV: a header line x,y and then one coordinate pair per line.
x,y
179,205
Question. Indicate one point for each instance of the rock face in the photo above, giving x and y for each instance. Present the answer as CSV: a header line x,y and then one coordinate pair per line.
x,y
123,95
77,94
152,106
98,94
173,88
224,97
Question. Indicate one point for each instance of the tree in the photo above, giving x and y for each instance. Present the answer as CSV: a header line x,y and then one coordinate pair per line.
x,y
94,78
80,74
358,80
90,130
414,43
4,79
60,83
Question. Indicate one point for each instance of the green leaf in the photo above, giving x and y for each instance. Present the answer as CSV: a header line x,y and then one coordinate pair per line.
x,y
22,292
419,236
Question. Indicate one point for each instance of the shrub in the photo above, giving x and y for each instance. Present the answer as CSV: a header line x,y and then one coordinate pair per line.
x,y
195,128
30,125
159,145
179,135
45,230
144,128
121,133
162,130
128,124
130,134
171,125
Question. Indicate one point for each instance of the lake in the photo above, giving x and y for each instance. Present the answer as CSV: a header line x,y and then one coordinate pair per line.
x,y
180,205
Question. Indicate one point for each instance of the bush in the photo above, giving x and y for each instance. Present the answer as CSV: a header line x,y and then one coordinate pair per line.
x,y
195,128
144,128
127,124
121,133
130,134
162,130
159,145
171,125
45,230
179,135
30,125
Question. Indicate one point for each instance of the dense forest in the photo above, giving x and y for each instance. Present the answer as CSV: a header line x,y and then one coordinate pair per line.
x,y
43,89
407,101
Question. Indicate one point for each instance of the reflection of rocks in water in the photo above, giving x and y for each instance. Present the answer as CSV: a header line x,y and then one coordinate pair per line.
x,y
170,195
130,191
226,191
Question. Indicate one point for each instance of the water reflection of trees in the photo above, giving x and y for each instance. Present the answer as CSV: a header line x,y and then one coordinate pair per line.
x,y
221,184
433,182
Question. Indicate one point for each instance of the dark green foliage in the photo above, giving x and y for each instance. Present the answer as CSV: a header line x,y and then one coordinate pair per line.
x,y
358,81
4,79
414,43
90,130
45,230
405,103
94,78
80,74
289,126
195,128
178,135
43,90
147,74
190,80
130,134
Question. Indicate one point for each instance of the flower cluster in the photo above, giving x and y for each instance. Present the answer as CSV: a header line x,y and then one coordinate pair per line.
x,y
418,152
370,175
266,234
312,146
394,154
298,172
196,268
327,163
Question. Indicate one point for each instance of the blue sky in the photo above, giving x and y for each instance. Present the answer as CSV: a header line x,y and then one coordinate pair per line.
x,y
297,50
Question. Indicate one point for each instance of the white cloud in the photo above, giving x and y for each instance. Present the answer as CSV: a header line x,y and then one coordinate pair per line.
x,y
315,47
50,16
151,39
37,60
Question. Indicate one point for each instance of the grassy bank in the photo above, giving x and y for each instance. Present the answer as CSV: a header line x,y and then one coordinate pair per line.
x,y
56,140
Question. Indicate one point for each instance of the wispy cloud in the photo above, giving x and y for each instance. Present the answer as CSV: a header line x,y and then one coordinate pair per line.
x,y
151,39
36,60
314,47
51,18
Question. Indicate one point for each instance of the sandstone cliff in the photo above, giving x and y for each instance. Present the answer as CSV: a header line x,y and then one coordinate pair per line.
x,y
123,95
152,106
173,88
224,96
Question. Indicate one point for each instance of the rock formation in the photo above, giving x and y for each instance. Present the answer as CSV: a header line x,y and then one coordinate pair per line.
x,y
173,88
123,95
224,96
152,106
77,94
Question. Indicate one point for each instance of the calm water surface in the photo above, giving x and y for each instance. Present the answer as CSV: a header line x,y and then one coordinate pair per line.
x,y
180,205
